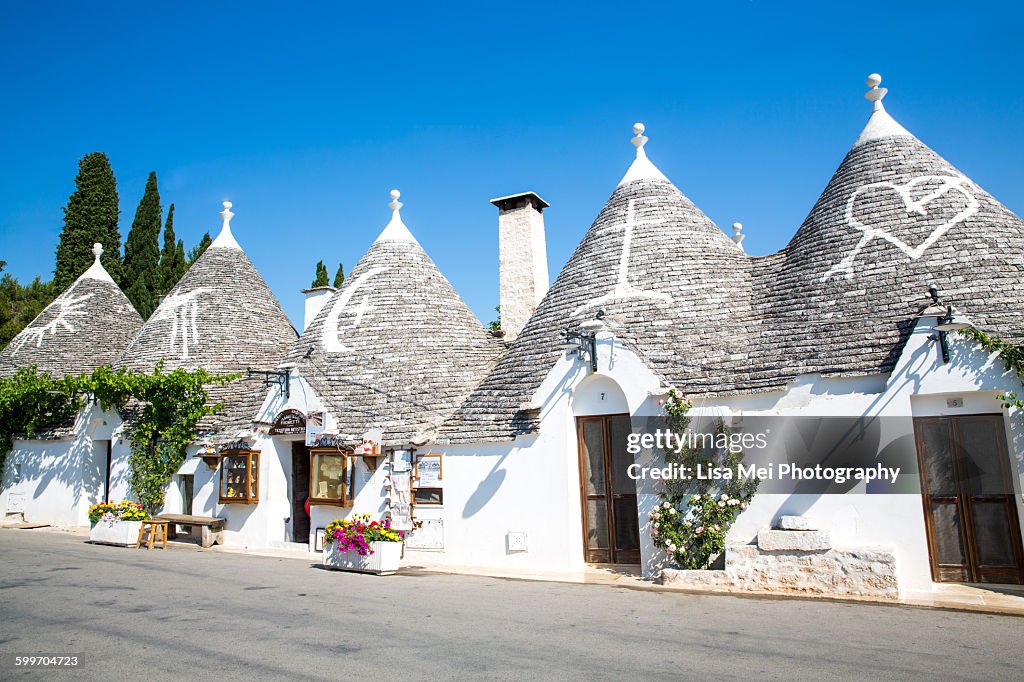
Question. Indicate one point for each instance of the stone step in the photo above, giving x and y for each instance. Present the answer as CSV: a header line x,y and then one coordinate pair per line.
x,y
794,540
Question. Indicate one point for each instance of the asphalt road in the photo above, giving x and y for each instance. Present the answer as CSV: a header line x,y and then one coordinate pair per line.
x,y
184,613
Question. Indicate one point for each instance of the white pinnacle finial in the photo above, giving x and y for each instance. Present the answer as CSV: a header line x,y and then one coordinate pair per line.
x,y
641,168
738,236
395,204
225,239
639,139
875,94
96,270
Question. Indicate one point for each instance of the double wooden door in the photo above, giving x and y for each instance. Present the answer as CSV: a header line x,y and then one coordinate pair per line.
x,y
611,532
970,508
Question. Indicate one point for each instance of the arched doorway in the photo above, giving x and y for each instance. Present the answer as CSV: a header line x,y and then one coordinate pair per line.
x,y
607,494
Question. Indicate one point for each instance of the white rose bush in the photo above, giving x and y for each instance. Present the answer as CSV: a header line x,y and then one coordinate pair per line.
x,y
693,518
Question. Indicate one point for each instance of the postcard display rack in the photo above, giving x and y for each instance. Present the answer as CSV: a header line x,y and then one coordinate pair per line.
x,y
398,485
415,497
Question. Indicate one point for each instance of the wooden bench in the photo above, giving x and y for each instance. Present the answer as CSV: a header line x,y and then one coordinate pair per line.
x,y
212,528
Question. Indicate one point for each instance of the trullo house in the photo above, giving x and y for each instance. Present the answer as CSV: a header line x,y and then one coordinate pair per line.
x,y
55,477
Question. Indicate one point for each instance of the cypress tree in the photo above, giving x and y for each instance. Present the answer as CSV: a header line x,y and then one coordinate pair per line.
x,y
339,276
198,249
321,275
180,256
172,258
141,281
91,216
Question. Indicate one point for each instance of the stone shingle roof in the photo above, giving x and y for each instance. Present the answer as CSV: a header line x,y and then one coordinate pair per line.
x,y
221,317
395,347
895,217
87,326
841,298
654,262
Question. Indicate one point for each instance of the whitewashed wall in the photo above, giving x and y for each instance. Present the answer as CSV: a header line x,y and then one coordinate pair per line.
x,y
56,481
532,484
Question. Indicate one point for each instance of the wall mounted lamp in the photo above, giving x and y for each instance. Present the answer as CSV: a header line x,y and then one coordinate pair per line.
x,y
583,343
946,321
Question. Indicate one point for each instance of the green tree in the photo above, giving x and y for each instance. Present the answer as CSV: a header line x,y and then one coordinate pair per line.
x,y
19,304
495,325
141,281
199,248
321,275
339,276
90,216
172,258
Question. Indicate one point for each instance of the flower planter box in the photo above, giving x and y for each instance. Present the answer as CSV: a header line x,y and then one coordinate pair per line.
x,y
123,533
384,560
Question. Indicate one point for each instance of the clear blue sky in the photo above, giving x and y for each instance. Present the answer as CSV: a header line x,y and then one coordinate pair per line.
x,y
305,116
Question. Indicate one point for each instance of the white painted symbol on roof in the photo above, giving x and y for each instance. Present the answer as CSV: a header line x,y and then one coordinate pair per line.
x,y
182,309
68,307
331,343
623,289
946,184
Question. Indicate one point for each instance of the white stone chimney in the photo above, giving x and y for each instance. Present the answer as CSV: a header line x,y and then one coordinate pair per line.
x,y
523,259
316,299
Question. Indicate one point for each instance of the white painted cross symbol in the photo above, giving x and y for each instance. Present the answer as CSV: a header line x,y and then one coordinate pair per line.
x,y
623,289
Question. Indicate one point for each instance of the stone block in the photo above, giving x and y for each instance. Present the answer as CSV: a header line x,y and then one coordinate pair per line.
x,y
798,523
794,540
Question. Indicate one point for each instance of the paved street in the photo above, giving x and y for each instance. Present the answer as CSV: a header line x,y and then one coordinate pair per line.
x,y
185,613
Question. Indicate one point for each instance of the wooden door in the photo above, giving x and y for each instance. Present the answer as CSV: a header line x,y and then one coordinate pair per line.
x,y
300,492
611,532
969,505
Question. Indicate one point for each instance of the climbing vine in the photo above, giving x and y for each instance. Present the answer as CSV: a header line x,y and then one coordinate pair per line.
x,y
1012,356
694,516
164,407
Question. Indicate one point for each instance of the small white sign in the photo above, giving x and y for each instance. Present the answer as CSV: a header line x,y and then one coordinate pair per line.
x,y
401,460
314,427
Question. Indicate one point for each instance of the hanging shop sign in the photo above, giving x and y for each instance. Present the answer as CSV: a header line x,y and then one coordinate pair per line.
x,y
288,422
314,427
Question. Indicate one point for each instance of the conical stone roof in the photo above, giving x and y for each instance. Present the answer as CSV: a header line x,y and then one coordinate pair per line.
x,y
395,347
895,217
87,326
676,286
841,298
222,317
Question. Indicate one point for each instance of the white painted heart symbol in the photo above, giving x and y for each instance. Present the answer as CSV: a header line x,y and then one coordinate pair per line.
x,y
945,184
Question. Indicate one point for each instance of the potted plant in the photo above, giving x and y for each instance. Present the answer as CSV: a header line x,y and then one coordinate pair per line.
x,y
116,523
359,544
